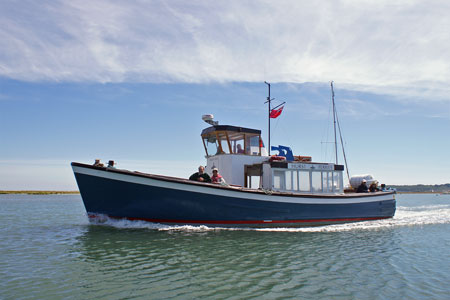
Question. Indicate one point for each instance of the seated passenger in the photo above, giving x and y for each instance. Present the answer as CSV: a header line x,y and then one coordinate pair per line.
x,y
373,187
200,175
111,164
239,149
362,188
97,163
217,178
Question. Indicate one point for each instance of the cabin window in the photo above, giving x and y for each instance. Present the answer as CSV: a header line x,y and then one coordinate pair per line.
x,y
295,180
326,182
337,181
278,180
305,184
316,182
332,182
308,181
253,145
288,180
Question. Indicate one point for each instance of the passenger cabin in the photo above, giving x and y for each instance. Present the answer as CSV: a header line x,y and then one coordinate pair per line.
x,y
242,160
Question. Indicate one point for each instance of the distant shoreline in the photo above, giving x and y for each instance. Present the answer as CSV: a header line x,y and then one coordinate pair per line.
x,y
40,192
419,192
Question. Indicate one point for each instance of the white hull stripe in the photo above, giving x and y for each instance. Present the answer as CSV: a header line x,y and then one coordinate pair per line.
x,y
323,199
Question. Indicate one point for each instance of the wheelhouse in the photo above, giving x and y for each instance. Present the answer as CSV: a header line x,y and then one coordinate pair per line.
x,y
242,160
226,139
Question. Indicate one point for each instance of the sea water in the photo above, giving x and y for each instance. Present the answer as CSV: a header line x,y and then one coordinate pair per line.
x,y
50,250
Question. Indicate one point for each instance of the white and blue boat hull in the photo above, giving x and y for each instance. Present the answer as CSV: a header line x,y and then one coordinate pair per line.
x,y
154,198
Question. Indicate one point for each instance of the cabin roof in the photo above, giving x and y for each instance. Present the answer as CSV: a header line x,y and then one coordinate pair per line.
x,y
229,128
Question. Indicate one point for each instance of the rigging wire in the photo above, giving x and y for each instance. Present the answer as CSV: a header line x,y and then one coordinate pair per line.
x,y
342,144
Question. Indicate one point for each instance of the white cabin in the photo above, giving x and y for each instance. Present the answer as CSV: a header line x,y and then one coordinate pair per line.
x,y
242,160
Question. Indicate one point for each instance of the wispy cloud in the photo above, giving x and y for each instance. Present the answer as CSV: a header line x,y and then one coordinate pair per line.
x,y
398,47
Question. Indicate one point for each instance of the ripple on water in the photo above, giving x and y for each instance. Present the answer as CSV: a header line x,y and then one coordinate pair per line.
x,y
401,258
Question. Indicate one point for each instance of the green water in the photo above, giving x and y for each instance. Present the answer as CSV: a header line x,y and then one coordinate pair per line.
x,y
49,250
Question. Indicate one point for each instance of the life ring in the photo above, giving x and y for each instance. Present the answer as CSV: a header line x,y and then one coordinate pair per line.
x,y
277,158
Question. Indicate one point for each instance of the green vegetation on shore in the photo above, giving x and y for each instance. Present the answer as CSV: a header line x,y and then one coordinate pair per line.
x,y
40,192
417,188
422,188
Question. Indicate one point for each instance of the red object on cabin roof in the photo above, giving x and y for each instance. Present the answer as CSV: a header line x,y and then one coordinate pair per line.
x,y
274,113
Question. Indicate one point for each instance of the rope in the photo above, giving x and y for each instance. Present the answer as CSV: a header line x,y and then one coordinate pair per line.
x,y
223,183
268,192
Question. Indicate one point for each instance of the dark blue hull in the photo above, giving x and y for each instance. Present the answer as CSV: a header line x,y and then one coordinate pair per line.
x,y
163,201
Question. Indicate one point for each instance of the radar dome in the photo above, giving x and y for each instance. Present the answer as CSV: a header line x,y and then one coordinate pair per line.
x,y
208,117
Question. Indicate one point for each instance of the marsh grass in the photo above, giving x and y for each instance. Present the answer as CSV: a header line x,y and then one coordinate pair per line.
x,y
40,192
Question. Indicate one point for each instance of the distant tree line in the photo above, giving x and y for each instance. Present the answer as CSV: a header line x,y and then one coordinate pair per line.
x,y
423,188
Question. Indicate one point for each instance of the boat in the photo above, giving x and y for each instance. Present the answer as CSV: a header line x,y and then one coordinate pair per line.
x,y
258,190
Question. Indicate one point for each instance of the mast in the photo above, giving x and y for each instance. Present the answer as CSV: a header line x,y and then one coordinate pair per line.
x,y
268,115
334,122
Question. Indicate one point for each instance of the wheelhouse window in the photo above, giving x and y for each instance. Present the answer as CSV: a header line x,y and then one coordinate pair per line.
x,y
254,144
211,144
233,141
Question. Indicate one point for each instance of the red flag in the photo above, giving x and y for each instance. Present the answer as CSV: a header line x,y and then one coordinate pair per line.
x,y
274,113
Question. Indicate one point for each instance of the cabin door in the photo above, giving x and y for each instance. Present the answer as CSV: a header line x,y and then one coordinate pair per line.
x,y
253,176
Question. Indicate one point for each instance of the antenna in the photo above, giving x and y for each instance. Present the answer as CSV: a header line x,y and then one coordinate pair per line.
x,y
269,100
268,116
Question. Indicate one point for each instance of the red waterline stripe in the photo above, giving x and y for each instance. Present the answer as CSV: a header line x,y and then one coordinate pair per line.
x,y
245,221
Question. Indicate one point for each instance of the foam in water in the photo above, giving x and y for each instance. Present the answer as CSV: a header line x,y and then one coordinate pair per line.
x,y
405,216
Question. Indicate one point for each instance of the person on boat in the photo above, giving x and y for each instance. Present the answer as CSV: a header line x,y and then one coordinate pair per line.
x,y
97,163
373,187
362,188
200,175
111,164
239,149
216,178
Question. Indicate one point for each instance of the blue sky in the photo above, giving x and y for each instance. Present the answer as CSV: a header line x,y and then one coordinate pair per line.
x,y
130,80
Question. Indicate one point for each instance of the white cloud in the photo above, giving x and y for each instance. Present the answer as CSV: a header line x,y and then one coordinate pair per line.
x,y
387,46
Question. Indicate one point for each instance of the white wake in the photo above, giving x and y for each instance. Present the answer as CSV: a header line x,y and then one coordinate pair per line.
x,y
404,216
